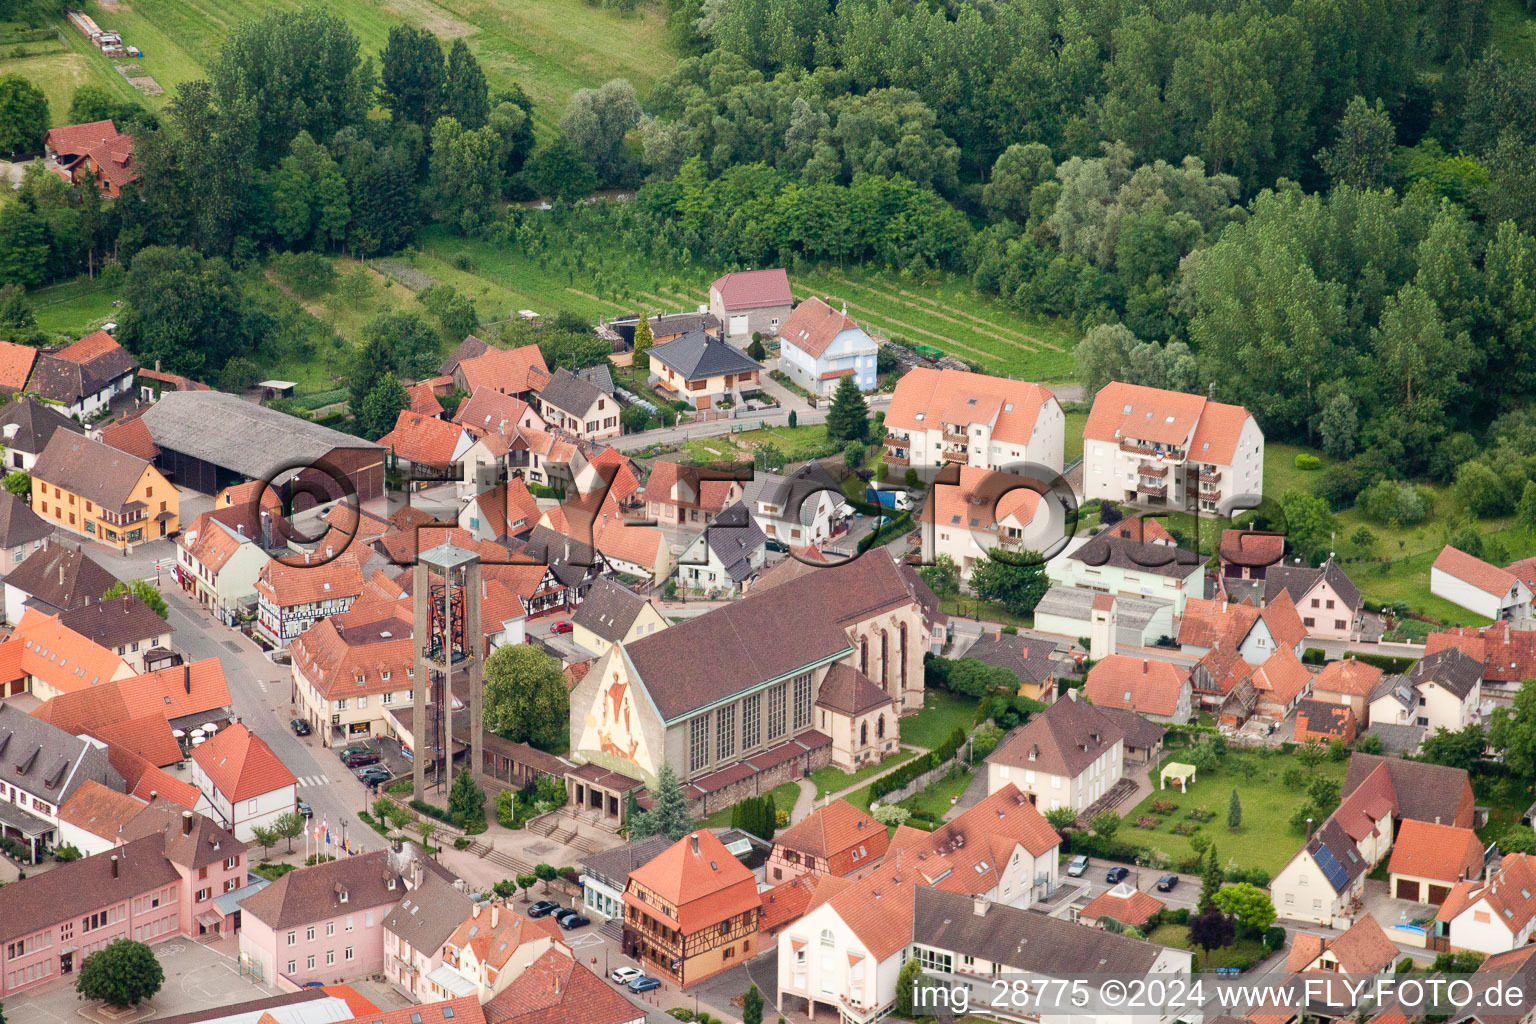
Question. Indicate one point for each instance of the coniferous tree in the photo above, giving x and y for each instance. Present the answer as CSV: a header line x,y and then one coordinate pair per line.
x,y
465,97
1234,812
644,339
848,419
669,815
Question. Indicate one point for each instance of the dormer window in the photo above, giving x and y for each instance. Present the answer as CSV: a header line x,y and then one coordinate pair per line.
x,y
341,896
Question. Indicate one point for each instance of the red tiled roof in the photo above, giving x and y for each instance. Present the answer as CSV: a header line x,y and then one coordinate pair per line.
x,y
51,651
1252,548
981,499
145,781
491,412
1490,579
943,396
148,736
752,289
1125,904
813,326
787,901
90,348
1367,805
1318,720
555,989
165,691
1282,677
240,765
1350,676
77,139
1136,684
1508,655
702,880
131,436
833,833
1166,417
1443,852
340,578
674,484
508,508
423,439
451,1011
351,652
1207,622
511,371
349,995
15,364
99,810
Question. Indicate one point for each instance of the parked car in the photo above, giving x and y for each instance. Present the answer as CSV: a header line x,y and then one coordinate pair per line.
x,y
625,975
644,983
300,727
561,627
543,908
777,545
1078,866
358,757
1167,883
373,775
1116,874
304,810
574,921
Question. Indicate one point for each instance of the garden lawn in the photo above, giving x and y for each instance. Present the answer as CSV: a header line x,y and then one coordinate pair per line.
x,y
784,798
1265,839
74,308
968,607
938,798
1243,952
942,712
831,780
1072,443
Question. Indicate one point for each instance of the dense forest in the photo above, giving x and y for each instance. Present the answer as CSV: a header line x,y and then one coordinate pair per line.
x,y
1324,209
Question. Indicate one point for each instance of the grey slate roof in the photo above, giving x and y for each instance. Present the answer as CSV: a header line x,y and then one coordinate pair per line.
x,y
614,866
34,423
18,523
428,914
38,757
598,376
1131,613
242,436
569,393
1297,580
94,471
1398,739
1400,687
568,559
65,381
797,490
698,356
1425,792
1108,547
734,537
1451,668
1063,740
116,622
75,890
609,610
313,893
1033,661
61,578
469,348
1023,940
1140,731
848,691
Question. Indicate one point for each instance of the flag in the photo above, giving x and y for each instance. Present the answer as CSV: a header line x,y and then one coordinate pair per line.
x,y
325,830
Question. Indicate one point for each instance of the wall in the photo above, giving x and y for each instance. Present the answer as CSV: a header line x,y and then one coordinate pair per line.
x,y
362,930
1301,907
1463,594
77,515
762,782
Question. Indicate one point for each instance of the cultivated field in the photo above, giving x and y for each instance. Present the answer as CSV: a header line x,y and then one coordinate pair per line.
x,y
550,47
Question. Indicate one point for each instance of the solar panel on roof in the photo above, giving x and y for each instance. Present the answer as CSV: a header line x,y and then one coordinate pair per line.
x,y
1332,870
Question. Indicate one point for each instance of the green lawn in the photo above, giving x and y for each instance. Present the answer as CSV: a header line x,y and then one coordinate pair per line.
x,y
783,800
1265,839
74,308
942,711
939,796
831,780
1241,953
968,607
1072,444
550,47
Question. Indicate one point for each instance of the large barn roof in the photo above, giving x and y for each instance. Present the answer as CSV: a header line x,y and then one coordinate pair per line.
x,y
242,436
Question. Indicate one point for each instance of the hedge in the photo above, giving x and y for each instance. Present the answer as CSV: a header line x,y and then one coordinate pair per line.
x,y
1388,664
1313,656
909,772
1307,462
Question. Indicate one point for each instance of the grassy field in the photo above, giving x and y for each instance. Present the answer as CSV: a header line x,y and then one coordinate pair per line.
x,y
58,74
943,313
1240,953
75,307
942,712
831,780
550,47
938,797
1264,840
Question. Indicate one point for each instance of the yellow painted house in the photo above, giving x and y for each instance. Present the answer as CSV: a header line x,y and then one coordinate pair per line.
x,y
94,490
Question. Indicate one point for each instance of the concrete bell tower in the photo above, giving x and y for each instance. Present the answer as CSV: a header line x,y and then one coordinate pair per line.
x,y
1102,625
445,599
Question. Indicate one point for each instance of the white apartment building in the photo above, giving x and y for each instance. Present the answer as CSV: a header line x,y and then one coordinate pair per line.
x,y
939,417
1166,449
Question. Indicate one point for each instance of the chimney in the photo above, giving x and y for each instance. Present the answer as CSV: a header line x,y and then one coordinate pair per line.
x,y
154,795
1309,828
114,865
186,823
693,842
979,906
495,913
157,366
125,603
61,574
998,635
476,911
1146,666
186,677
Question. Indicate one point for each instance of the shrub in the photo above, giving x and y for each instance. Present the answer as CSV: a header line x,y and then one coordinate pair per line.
x,y
1307,462
1274,938
1313,656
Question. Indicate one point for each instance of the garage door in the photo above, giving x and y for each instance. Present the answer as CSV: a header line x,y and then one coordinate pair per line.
x,y
1438,893
738,326
1407,890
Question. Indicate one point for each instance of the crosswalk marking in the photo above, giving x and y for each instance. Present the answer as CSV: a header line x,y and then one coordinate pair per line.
x,y
314,780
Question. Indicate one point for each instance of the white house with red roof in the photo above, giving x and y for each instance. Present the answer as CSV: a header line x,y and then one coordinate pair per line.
x,y
938,417
819,345
244,780
1166,449
749,302
1158,689
1473,584
1494,915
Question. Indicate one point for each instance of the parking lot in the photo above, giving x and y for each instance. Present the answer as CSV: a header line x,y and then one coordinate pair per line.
x,y
196,977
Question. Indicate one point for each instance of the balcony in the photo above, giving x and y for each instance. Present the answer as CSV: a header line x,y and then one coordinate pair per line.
x,y
1210,495
958,436
1138,448
892,441
957,456
1152,470
1153,490
892,459
1210,476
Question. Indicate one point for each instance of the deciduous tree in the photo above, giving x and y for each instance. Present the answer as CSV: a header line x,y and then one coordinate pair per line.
x,y
525,696
1016,581
1249,904
23,116
122,974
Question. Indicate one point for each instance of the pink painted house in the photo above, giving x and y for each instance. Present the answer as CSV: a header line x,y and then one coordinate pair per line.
x,y
1329,603
416,930
323,923
158,883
